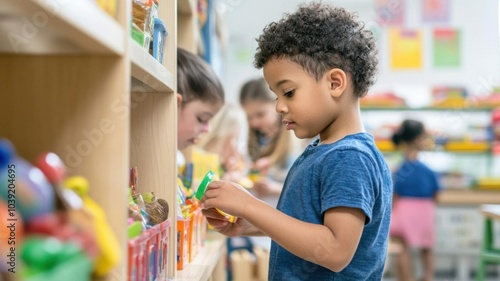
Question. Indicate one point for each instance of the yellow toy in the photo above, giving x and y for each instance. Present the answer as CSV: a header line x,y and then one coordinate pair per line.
x,y
109,247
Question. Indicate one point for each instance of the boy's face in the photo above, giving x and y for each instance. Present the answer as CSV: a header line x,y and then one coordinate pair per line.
x,y
262,117
193,120
307,106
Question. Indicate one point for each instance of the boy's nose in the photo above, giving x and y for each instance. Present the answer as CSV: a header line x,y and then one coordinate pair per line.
x,y
281,107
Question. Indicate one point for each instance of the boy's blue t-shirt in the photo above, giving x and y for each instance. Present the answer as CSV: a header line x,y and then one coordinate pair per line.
x,y
348,173
415,179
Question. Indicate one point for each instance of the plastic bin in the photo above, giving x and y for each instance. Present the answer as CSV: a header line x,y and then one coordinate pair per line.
x,y
182,242
153,245
138,258
191,235
163,250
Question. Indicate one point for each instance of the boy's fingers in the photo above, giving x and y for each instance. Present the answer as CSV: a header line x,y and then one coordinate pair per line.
x,y
216,223
212,213
214,184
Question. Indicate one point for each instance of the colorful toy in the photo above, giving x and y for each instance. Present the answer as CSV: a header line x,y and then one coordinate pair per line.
x,y
203,187
108,244
23,183
57,225
47,258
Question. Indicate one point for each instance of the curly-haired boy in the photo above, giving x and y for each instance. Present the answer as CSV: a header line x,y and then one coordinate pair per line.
x,y
332,220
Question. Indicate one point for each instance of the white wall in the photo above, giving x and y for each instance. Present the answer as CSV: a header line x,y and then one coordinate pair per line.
x,y
477,20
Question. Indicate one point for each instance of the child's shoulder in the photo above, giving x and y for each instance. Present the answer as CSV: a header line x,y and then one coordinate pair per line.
x,y
359,146
358,143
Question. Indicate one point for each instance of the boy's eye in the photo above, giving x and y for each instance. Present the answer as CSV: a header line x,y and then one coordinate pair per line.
x,y
289,94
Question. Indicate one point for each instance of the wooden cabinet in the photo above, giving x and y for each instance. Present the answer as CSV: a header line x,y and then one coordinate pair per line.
x,y
74,82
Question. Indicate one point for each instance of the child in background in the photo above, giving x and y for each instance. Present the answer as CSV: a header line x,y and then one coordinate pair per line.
x,y
414,201
200,96
272,149
332,219
225,139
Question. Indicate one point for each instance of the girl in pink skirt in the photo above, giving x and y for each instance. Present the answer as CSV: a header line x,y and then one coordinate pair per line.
x,y
414,202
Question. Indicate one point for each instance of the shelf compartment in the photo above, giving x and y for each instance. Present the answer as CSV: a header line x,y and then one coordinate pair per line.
x,y
148,75
55,27
203,265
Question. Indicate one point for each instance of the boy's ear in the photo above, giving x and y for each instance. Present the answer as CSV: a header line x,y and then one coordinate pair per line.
x,y
337,80
179,99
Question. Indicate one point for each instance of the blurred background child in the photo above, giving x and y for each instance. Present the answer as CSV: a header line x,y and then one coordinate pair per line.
x,y
414,201
272,149
227,139
200,96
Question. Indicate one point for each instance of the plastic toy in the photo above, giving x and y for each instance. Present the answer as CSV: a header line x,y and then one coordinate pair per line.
x,y
57,225
47,258
203,187
108,244
25,184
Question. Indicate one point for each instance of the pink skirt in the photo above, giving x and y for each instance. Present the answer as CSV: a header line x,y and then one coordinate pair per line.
x,y
413,220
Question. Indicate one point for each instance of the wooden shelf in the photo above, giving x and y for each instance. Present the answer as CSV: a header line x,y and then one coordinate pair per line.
x,y
55,27
203,265
82,89
468,197
452,147
147,74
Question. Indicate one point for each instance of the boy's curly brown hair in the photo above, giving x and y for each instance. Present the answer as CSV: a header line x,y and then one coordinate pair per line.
x,y
320,37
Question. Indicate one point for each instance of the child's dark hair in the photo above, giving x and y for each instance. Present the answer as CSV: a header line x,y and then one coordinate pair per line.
x,y
408,132
196,79
320,37
256,90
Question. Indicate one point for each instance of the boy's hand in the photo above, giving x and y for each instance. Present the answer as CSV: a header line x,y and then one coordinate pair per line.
x,y
228,197
263,165
221,225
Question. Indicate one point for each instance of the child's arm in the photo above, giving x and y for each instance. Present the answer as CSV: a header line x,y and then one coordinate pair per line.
x,y
331,245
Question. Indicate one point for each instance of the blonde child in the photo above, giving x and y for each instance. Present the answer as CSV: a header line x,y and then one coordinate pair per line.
x,y
272,149
332,219
226,138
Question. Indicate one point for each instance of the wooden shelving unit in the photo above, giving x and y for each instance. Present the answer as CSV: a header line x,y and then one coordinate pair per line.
x,y
74,83
67,69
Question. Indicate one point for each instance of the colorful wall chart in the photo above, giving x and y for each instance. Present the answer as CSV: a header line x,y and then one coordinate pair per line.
x,y
405,46
446,47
